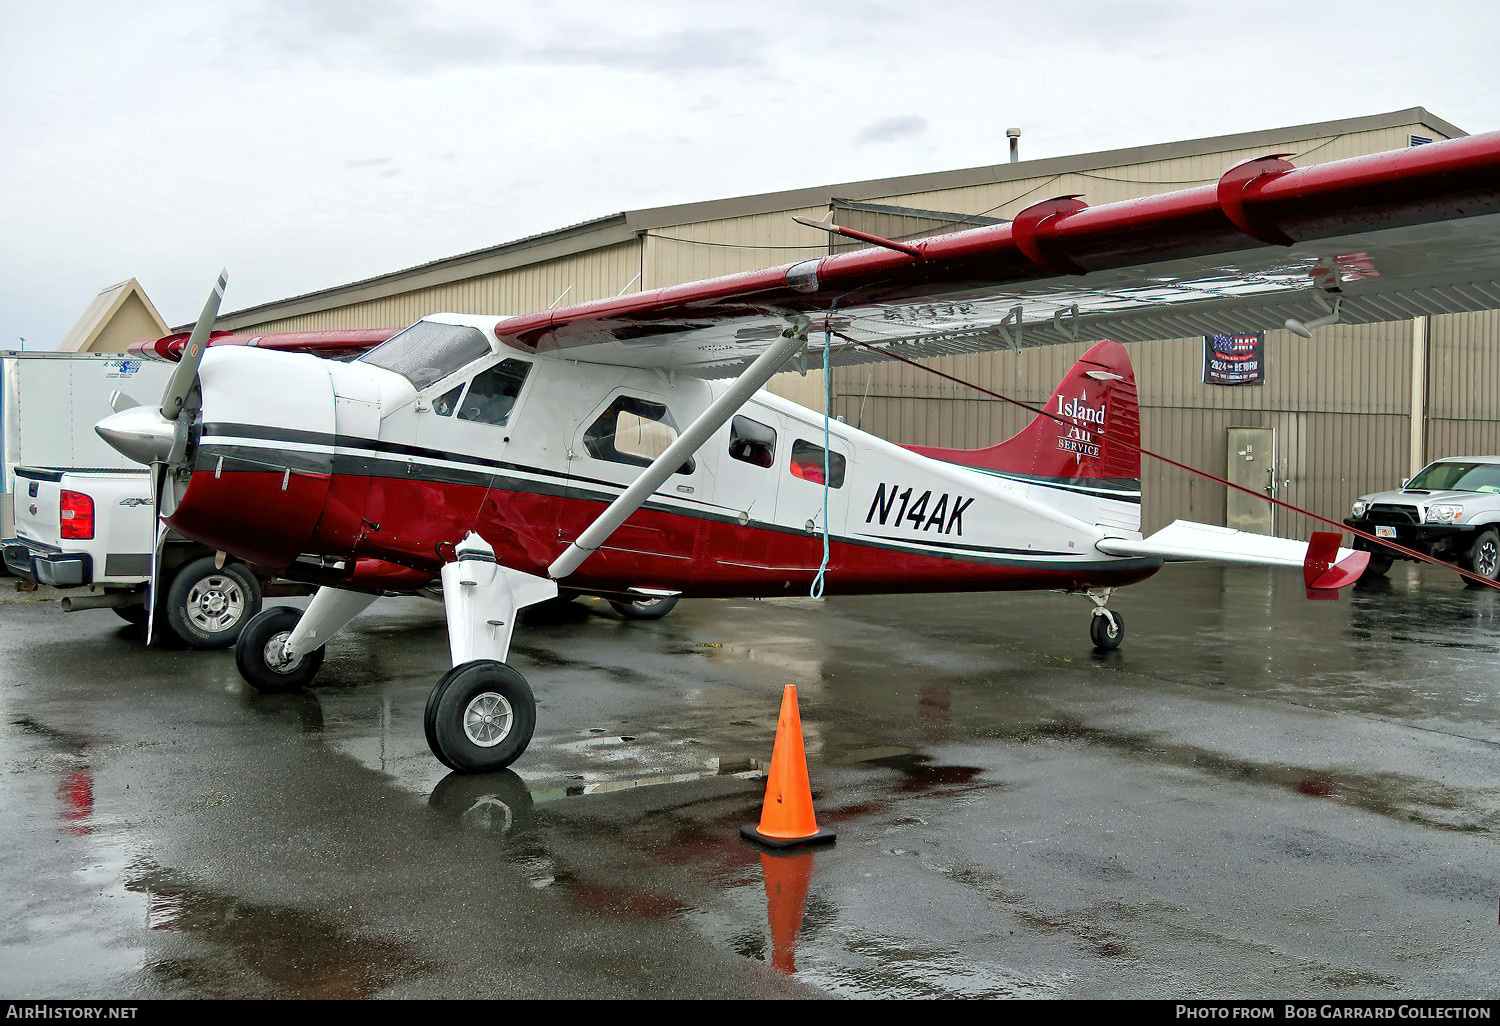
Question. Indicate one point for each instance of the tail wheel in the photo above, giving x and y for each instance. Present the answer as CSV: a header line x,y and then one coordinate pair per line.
x,y
645,609
479,716
258,653
1106,630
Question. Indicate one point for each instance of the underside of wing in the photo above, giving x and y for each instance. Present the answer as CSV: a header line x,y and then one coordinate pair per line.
x,y
1384,237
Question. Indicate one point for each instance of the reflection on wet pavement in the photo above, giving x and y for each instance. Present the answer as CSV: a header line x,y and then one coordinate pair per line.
x,y
1311,816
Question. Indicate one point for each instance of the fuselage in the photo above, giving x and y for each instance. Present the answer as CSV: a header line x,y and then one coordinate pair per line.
x,y
383,464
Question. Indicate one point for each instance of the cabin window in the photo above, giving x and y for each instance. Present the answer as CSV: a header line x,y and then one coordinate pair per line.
x,y
446,403
492,394
752,442
428,351
633,431
807,463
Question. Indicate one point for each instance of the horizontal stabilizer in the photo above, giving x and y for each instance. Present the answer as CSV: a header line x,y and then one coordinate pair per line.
x,y
1184,540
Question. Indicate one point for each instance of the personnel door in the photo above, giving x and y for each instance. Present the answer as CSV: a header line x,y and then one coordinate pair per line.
x,y
1252,465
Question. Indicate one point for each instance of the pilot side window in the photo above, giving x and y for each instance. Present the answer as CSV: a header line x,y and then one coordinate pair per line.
x,y
633,431
448,401
807,463
752,442
492,395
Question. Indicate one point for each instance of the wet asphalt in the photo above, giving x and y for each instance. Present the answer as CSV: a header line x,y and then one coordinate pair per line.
x,y
1257,796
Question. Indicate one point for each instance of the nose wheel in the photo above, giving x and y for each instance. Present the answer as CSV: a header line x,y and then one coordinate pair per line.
x,y
260,653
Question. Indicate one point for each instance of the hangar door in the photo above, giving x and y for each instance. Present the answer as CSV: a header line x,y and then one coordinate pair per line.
x,y
1252,464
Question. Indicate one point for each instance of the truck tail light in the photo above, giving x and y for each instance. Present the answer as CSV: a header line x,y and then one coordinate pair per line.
x,y
76,512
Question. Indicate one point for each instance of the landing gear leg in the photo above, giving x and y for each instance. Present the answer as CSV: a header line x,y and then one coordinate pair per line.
x,y
481,713
1106,627
281,649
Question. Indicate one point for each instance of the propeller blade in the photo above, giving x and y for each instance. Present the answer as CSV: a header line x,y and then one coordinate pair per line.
x,y
119,401
192,354
158,481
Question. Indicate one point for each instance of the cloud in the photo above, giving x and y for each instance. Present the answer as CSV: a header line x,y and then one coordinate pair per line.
x,y
391,37
902,126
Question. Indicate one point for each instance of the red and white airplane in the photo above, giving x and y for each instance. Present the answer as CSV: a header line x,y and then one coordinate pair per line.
x,y
624,449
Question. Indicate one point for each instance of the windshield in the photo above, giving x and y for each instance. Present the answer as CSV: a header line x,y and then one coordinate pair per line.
x,y
429,351
1458,477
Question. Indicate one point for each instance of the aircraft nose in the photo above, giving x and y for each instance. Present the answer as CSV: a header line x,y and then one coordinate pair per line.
x,y
140,433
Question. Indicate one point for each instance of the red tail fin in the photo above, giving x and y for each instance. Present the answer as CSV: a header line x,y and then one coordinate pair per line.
x,y
1097,406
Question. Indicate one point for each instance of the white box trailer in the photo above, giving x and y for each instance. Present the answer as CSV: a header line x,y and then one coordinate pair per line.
x,y
49,404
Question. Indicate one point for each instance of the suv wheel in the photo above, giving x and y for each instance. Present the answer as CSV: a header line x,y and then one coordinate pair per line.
x,y
1484,557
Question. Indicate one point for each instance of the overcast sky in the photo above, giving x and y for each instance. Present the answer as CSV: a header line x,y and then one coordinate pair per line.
x,y
308,143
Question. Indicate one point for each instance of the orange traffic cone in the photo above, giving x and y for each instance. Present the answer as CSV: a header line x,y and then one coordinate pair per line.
x,y
786,818
787,875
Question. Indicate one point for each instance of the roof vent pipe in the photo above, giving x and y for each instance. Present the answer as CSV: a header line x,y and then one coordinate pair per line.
x,y
1014,135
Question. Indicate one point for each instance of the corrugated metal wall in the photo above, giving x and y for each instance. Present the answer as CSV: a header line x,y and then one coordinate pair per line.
x,y
1340,403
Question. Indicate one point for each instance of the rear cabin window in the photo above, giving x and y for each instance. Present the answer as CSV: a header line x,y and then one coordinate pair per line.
x,y
428,351
633,431
752,442
807,463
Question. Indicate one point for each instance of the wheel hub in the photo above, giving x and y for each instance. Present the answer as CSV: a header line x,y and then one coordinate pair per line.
x,y
487,719
275,655
215,603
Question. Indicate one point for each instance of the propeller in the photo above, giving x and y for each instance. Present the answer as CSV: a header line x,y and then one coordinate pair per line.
x,y
159,437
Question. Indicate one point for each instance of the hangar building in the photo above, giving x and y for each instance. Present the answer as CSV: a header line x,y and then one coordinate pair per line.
x,y
1354,409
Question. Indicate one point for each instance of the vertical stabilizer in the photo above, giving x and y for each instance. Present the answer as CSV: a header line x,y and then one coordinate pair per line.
x,y
1089,446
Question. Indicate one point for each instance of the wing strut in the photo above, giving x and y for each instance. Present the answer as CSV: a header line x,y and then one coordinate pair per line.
x,y
687,443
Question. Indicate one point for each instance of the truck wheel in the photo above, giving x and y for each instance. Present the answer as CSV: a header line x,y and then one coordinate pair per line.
x,y
1380,563
1484,557
208,606
257,654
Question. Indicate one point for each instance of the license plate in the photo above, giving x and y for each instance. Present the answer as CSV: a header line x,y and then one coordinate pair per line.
x,y
1385,532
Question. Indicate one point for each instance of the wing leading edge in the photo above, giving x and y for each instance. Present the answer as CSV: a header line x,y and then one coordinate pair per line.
x,y
1388,236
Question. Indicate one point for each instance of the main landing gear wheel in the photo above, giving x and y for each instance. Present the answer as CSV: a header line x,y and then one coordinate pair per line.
x,y
208,606
258,653
480,716
1106,630
645,609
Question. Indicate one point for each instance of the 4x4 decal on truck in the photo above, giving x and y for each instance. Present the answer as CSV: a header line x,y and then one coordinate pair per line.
x,y
947,516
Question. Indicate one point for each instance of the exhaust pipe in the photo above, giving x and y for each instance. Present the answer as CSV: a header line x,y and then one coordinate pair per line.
x,y
109,600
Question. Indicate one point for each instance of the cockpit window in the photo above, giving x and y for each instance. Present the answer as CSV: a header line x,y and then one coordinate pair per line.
x,y
493,393
429,351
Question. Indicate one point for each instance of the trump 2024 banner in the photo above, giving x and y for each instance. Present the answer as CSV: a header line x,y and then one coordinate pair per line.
x,y
1234,359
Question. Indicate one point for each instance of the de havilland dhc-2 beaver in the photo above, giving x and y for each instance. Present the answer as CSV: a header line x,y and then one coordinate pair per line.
x,y
623,448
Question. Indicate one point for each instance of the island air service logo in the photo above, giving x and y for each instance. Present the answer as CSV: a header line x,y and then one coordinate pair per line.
x,y
1086,419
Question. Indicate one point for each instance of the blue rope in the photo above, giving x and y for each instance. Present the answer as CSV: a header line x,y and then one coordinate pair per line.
x,y
816,591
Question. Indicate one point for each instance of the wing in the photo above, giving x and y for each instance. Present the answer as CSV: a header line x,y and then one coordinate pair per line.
x,y
334,345
1384,237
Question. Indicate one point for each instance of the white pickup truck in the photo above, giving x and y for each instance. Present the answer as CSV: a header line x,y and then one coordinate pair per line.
x,y
93,530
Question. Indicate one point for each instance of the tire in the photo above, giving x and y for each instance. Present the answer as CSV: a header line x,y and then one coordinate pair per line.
x,y
1106,636
208,606
251,659
1380,563
458,736
645,609
1484,557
